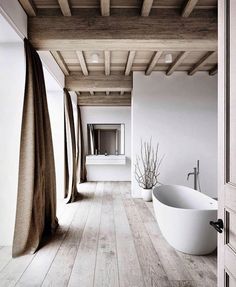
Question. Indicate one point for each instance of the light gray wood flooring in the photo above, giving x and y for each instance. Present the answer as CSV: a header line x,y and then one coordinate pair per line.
x,y
107,239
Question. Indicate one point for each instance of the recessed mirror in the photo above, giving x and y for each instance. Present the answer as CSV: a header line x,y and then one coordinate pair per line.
x,y
106,139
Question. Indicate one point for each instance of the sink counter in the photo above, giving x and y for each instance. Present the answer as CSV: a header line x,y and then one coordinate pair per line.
x,y
105,160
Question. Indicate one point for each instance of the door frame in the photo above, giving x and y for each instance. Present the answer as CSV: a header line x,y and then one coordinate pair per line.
x,y
223,113
221,131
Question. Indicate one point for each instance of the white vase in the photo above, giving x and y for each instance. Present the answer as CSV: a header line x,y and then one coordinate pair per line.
x,y
146,194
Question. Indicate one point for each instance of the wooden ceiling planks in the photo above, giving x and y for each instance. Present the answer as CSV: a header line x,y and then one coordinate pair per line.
x,y
179,59
126,4
127,35
146,7
29,7
105,7
65,7
189,7
153,62
129,63
201,62
98,83
102,99
83,64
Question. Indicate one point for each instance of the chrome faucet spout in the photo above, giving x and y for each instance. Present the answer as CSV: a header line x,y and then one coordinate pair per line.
x,y
190,173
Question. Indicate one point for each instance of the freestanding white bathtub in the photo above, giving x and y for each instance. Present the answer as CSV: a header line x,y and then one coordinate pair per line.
x,y
183,215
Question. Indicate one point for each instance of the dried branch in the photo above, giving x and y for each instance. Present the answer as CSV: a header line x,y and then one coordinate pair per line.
x,y
147,165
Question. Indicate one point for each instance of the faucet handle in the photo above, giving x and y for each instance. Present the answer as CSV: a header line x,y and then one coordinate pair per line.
x,y
198,162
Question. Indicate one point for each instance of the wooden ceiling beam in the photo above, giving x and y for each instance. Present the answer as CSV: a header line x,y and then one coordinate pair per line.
x,y
201,62
29,7
156,56
129,63
101,99
166,30
193,45
107,60
65,7
214,70
60,61
177,62
146,7
98,83
105,7
188,8
82,61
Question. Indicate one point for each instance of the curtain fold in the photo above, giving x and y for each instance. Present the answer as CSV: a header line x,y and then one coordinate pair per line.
x,y
36,200
81,167
91,139
70,152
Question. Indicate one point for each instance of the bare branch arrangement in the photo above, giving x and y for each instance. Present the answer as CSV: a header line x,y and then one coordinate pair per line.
x,y
147,165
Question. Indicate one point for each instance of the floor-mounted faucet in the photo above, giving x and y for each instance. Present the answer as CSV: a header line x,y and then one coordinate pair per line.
x,y
195,173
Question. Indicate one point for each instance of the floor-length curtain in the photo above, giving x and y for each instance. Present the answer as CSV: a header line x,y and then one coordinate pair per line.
x,y
91,139
70,151
36,200
81,167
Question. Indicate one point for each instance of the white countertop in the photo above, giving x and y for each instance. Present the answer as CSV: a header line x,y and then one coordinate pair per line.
x,y
106,159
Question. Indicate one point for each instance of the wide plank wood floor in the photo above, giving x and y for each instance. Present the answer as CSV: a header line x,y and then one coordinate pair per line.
x,y
107,239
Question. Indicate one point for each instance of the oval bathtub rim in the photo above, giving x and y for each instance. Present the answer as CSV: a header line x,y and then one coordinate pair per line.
x,y
184,209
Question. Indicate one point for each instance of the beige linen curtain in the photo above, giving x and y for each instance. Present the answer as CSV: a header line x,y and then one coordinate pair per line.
x,y
91,141
36,201
70,151
81,168
75,170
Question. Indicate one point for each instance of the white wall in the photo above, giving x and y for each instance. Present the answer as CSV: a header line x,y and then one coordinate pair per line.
x,y
113,115
55,71
12,82
179,112
55,98
12,78
56,112
75,112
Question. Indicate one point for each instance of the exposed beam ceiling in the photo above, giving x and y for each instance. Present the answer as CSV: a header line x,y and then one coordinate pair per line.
x,y
133,6
101,99
214,70
166,30
60,61
188,8
83,65
146,7
124,45
107,57
29,7
201,62
98,83
156,56
129,63
177,62
136,36
119,62
65,7
105,7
